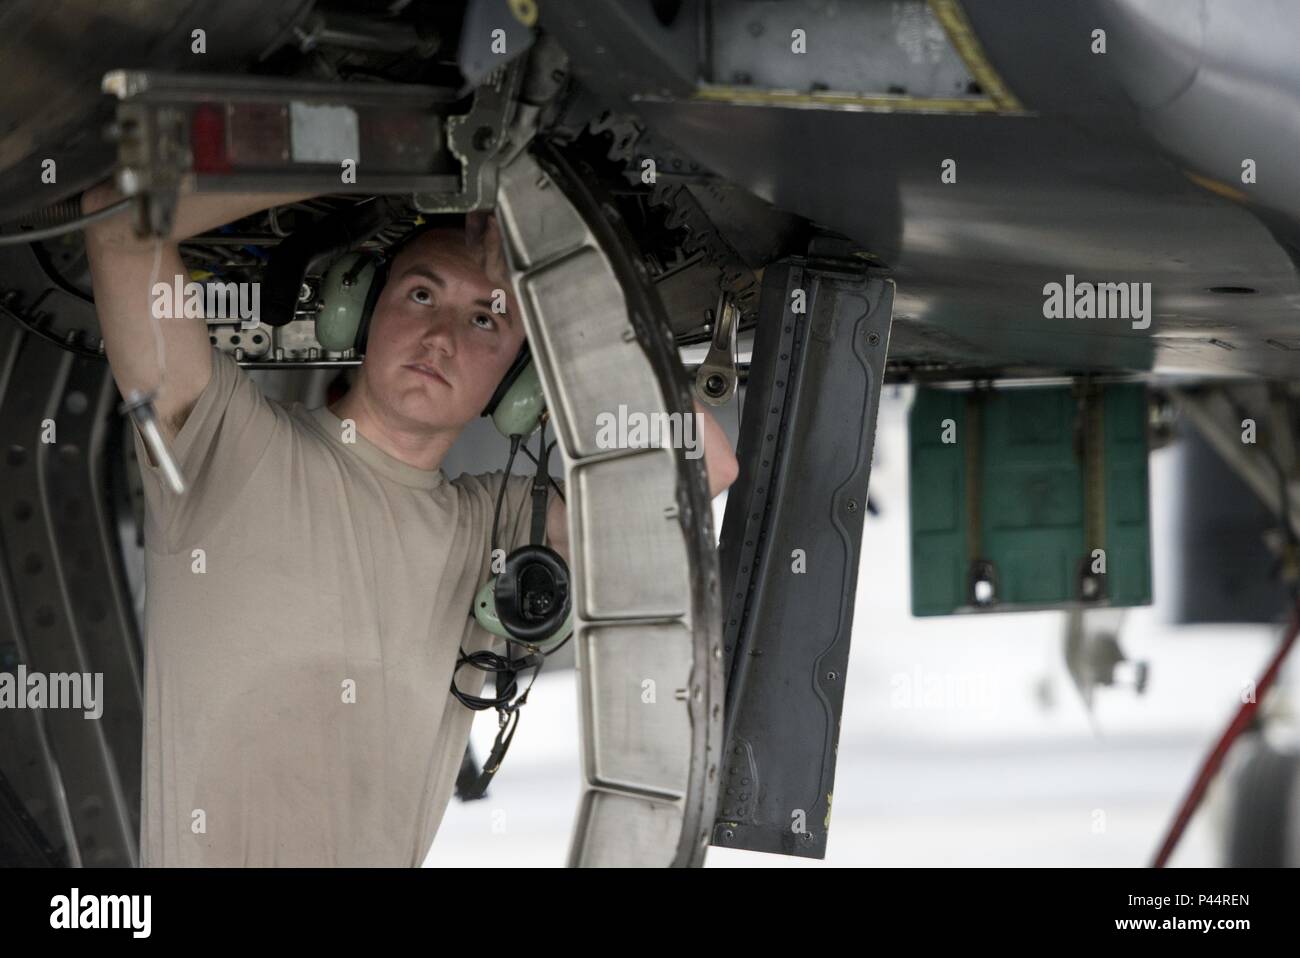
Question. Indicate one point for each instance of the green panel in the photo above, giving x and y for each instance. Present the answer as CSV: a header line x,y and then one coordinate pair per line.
x,y
1032,517
937,503
1032,514
1128,524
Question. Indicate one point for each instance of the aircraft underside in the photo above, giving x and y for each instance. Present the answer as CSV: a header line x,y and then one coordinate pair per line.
x,y
1063,225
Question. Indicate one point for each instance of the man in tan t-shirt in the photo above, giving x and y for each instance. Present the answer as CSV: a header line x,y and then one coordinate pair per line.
x,y
307,596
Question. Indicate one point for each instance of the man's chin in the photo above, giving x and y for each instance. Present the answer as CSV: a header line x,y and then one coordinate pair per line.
x,y
424,408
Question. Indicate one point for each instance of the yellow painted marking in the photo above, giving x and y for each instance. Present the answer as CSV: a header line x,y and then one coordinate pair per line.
x,y
525,11
996,98
831,99
950,14
1214,186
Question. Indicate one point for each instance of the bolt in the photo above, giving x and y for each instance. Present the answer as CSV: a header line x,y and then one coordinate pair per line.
x,y
873,339
114,84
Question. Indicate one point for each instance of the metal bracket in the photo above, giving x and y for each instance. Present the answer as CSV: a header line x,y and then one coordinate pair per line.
x,y
177,131
715,381
481,140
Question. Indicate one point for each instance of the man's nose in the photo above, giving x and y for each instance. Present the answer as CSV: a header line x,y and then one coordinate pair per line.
x,y
441,336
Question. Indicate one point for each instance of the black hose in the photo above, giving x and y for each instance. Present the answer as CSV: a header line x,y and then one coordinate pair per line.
x,y
291,260
64,211
50,232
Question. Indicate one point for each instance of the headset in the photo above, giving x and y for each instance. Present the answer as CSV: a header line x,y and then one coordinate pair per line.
x,y
529,602
349,292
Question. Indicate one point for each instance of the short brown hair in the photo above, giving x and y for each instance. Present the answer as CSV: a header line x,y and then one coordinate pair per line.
x,y
432,222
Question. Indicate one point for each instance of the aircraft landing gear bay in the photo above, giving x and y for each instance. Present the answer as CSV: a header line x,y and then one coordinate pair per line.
x,y
646,606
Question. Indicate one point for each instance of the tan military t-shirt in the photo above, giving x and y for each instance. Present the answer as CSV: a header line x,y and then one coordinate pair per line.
x,y
305,601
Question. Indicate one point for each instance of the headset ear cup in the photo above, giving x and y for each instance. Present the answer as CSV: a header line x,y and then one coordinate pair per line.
x,y
379,279
521,408
533,594
521,362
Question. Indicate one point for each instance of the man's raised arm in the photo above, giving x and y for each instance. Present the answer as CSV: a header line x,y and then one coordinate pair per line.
x,y
120,268
719,462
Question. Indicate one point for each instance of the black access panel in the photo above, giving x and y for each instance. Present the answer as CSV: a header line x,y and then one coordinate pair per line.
x,y
791,538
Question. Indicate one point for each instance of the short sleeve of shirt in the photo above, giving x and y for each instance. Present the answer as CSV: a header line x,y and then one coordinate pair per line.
x,y
226,433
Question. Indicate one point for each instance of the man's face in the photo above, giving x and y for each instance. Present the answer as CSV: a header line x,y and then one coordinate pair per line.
x,y
437,350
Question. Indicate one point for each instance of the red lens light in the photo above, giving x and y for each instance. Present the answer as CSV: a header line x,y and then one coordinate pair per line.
x,y
208,139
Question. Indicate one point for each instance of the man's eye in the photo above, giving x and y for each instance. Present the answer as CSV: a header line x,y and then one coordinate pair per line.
x,y
484,321
422,295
